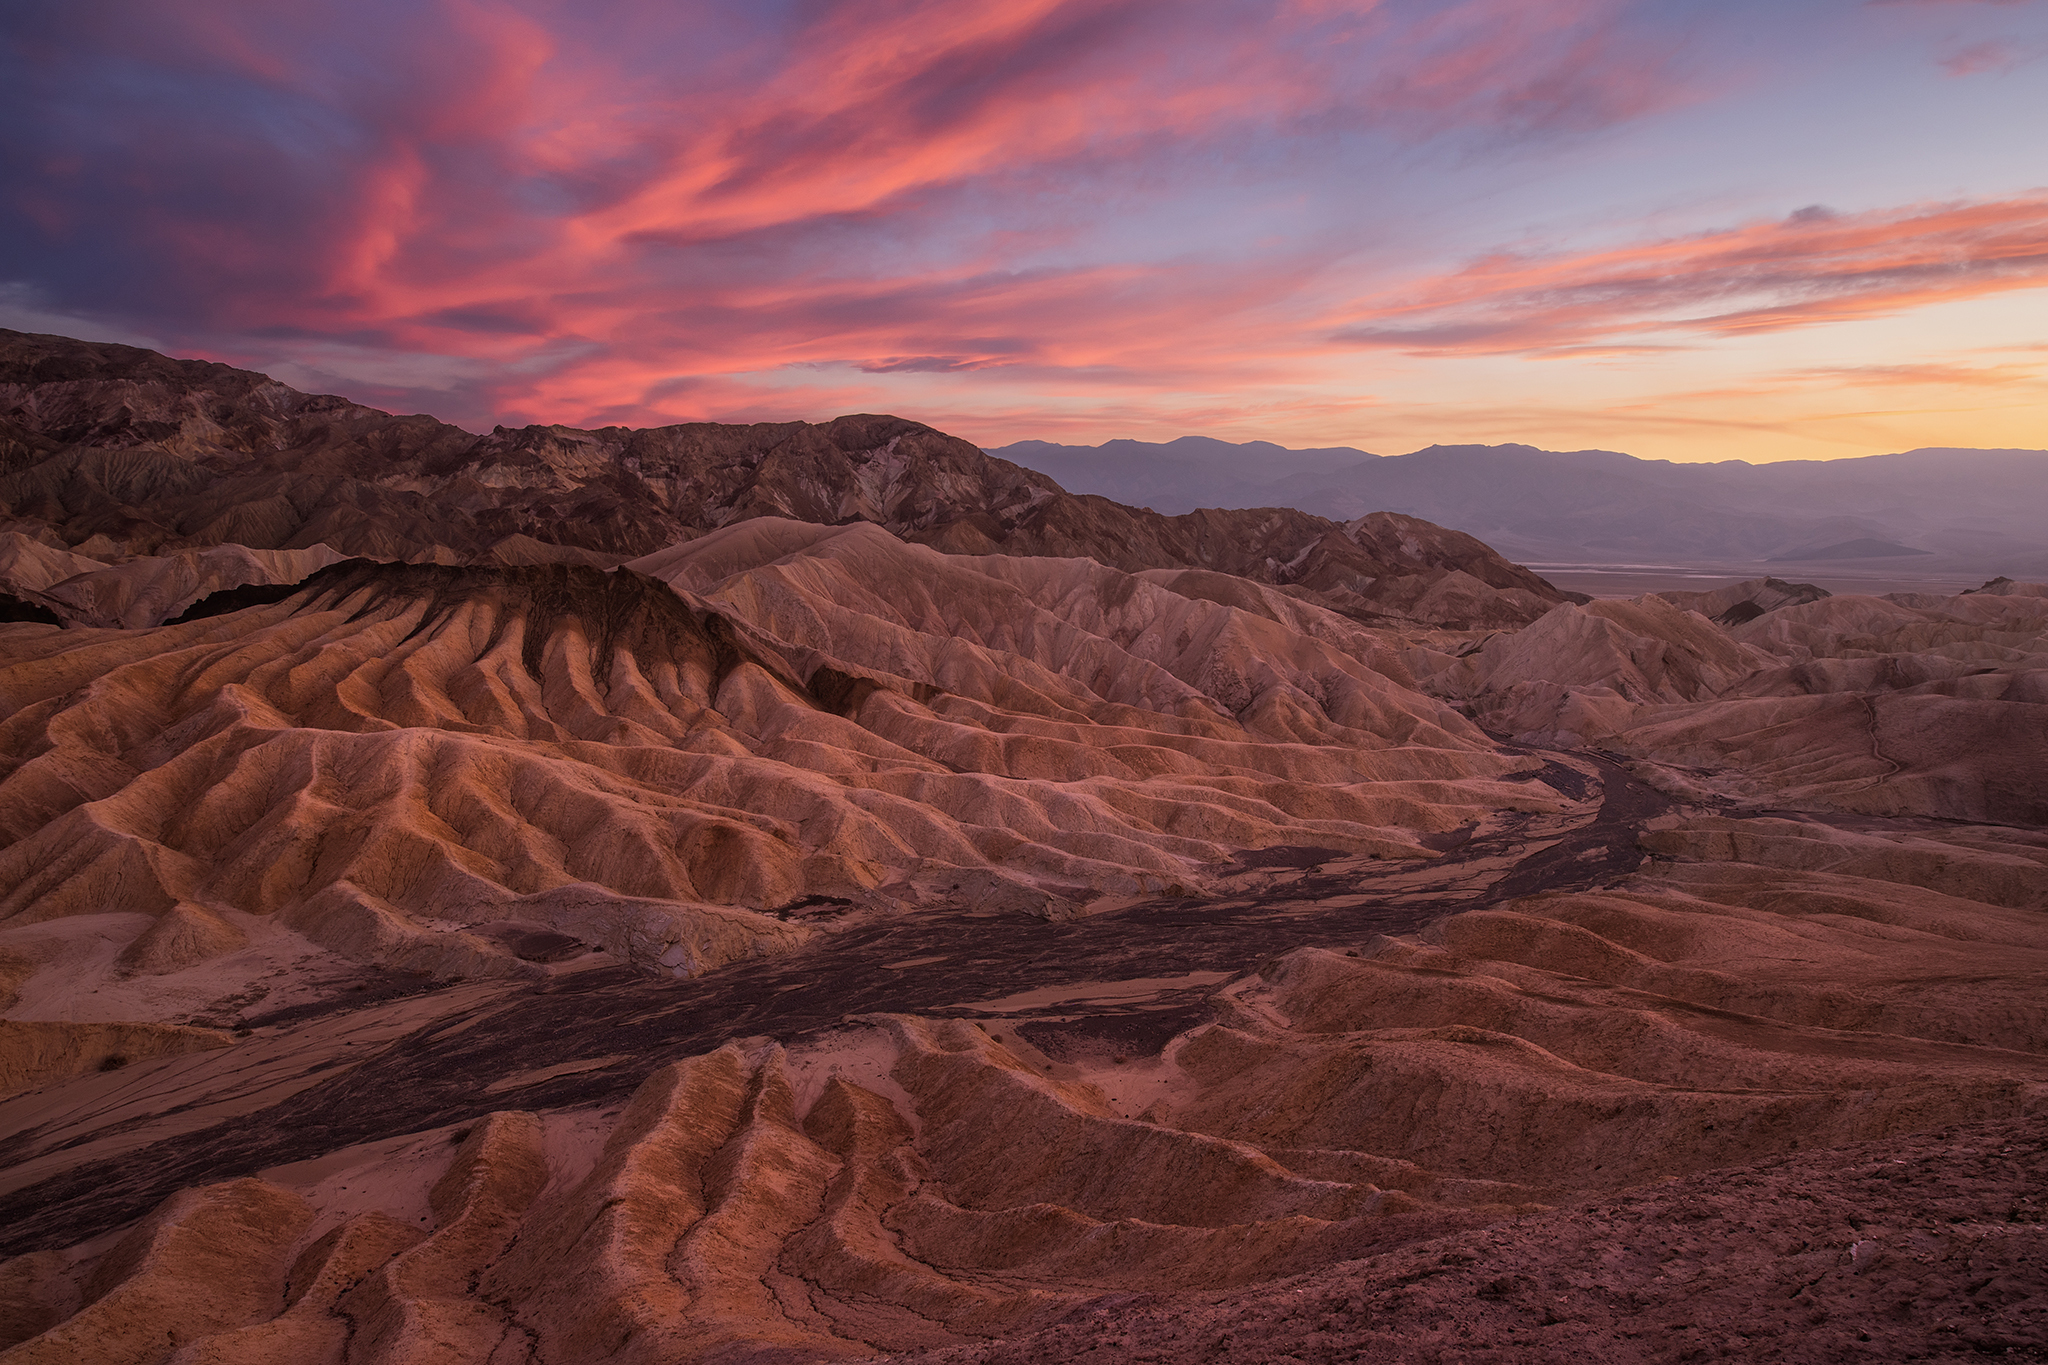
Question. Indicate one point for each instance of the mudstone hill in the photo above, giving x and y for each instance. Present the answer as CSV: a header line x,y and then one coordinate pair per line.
x,y
819,892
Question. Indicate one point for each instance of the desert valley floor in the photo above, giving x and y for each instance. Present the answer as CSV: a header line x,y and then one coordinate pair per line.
x,y
801,893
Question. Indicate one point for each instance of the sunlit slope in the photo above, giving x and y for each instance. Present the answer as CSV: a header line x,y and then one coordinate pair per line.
x,y
413,765
902,1182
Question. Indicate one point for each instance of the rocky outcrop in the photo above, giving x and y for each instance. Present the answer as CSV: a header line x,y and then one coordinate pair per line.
x,y
1916,1248
724,894
149,589
1742,602
157,456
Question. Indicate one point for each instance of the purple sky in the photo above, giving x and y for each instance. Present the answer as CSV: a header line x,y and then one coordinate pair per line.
x,y
1684,229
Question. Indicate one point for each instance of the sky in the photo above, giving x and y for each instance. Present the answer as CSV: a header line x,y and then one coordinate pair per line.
x,y
1686,229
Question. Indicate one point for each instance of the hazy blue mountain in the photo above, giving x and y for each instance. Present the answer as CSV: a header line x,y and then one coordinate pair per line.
x,y
1181,475
1601,506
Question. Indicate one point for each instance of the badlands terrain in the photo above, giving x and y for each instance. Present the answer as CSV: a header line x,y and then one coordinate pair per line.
x,y
802,893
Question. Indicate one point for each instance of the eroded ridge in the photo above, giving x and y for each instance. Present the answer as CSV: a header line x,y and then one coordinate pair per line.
x,y
902,1181
1775,694
491,772
908,908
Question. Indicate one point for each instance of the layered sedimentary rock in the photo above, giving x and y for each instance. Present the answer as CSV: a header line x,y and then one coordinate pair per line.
x,y
147,590
110,446
424,767
900,1182
1909,704
516,775
809,893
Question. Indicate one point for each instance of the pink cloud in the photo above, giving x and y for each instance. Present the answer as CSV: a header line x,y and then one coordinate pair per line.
x,y
479,177
660,210
1994,56
1813,267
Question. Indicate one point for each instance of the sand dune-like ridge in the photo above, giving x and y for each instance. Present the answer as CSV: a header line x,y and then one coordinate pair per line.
x,y
1907,705
405,764
905,1182
512,772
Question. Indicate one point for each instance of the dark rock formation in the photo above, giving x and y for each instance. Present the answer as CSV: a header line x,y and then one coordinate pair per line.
x,y
161,455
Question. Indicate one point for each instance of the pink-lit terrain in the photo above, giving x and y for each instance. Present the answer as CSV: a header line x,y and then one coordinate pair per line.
x,y
818,892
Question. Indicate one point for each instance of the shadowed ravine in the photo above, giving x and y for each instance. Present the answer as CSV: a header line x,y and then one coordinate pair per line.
x,y
436,1075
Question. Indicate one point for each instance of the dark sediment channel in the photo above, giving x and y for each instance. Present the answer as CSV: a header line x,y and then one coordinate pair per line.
x,y
437,1074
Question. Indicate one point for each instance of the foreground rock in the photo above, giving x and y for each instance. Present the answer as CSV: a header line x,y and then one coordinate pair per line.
x,y
898,1181
1924,1248
941,1130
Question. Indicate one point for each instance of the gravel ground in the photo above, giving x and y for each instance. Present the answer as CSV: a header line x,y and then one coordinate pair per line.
x,y
1924,1247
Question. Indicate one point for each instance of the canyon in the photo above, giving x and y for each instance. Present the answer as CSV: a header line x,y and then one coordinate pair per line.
x,y
809,892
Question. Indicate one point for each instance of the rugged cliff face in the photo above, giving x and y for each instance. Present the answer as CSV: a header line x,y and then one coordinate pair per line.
x,y
121,451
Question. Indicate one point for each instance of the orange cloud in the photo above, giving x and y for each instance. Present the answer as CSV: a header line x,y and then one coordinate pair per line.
x,y
1021,217
866,118
1961,376
1813,267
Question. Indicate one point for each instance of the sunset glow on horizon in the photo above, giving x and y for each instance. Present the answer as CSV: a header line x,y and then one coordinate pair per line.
x,y
1681,229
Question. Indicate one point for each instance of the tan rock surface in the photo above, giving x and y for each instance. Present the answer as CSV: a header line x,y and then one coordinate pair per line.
x,y
1911,705
902,1182
28,565
149,590
34,1054
208,1260
403,758
910,908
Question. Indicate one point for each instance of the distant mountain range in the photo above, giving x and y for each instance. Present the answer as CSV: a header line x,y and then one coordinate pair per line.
x,y
1984,508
